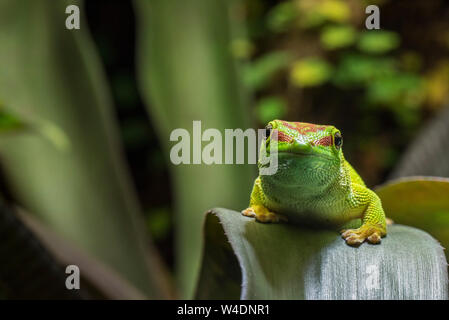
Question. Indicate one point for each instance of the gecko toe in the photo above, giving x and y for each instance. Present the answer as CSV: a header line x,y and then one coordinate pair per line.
x,y
374,238
354,240
249,212
347,233
356,237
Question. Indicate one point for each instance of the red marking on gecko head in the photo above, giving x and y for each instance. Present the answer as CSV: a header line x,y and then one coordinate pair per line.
x,y
325,141
283,137
303,127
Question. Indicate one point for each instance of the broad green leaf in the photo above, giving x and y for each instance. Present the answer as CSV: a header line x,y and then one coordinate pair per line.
x,y
250,260
281,16
335,37
421,202
356,69
378,41
257,73
270,108
309,72
186,73
52,78
53,133
9,122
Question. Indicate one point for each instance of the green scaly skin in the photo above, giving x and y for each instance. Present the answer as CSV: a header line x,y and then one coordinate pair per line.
x,y
315,185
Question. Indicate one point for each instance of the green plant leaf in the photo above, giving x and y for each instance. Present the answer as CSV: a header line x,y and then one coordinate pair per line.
x,y
335,10
356,69
257,73
270,108
52,79
315,13
310,72
251,260
242,48
9,122
335,37
186,76
396,89
421,202
378,41
281,16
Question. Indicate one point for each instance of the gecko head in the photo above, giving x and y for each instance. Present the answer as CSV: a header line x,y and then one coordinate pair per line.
x,y
303,149
304,139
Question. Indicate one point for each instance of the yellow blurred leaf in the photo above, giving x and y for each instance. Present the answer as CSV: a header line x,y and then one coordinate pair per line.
x,y
335,37
315,12
242,48
421,202
437,84
335,10
310,72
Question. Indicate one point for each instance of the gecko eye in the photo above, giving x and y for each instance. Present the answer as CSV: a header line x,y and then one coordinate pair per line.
x,y
268,131
338,140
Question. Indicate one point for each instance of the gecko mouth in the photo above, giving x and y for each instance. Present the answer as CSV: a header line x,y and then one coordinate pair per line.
x,y
302,154
296,153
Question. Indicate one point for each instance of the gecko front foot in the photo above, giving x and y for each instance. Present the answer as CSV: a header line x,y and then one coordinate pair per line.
x,y
371,233
262,214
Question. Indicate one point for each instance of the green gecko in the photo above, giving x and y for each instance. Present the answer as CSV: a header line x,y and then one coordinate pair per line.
x,y
314,184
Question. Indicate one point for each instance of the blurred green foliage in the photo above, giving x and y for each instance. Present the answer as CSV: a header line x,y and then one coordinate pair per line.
x,y
378,41
257,74
281,16
310,72
378,86
339,36
159,222
9,122
270,108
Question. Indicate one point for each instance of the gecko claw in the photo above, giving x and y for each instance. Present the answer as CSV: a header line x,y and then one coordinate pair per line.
x,y
264,215
355,237
249,212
